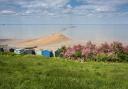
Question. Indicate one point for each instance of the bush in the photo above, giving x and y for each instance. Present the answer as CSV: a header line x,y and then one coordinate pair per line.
x,y
117,47
102,57
59,52
123,57
114,52
104,48
78,54
107,58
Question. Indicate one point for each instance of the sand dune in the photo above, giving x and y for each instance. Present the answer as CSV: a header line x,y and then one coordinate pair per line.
x,y
56,38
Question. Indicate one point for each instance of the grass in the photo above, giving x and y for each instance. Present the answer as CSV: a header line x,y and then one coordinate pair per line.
x,y
35,72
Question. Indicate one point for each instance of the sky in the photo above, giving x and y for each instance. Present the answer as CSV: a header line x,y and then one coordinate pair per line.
x,y
60,14
63,11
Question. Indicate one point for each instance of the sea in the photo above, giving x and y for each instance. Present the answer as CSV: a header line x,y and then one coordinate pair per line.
x,y
87,32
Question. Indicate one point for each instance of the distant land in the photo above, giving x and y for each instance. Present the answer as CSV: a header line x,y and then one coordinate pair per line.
x,y
51,42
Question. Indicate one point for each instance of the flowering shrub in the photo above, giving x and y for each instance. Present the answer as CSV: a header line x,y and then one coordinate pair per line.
x,y
117,47
105,48
69,53
105,52
87,53
73,52
125,49
79,51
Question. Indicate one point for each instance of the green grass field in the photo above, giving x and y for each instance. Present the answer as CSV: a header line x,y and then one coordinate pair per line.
x,y
31,72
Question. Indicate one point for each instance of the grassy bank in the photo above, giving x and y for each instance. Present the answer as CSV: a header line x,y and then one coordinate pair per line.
x,y
33,72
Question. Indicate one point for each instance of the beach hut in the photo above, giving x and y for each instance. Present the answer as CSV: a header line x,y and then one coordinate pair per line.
x,y
29,51
1,50
11,50
47,53
5,48
38,52
19,51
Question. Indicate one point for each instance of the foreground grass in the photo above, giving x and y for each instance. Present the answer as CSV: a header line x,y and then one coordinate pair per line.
x,y
30,72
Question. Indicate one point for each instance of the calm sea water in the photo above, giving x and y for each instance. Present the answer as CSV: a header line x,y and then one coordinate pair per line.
x,y
93,32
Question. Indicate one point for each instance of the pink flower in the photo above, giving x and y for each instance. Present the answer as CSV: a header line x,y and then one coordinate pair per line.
x,y
86,51
126,49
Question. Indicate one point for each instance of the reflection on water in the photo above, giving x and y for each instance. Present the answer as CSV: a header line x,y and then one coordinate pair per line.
x,y
77,32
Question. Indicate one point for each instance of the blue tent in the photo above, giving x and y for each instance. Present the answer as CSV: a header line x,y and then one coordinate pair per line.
x,y
47,53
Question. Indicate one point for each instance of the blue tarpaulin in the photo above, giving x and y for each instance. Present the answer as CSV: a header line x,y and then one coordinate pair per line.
x,y
47,53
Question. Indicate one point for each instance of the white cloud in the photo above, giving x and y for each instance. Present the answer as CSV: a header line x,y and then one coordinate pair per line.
x,y
42,6
105,5
43,3
7,12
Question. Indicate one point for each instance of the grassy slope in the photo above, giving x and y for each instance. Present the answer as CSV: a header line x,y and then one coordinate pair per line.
x,y
29,72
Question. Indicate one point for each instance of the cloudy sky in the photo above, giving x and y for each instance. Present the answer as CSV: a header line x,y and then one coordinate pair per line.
x,y
55,14
63,11
58,7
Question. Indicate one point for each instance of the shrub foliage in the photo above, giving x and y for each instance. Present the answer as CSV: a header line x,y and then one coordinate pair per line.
x,y
113,52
